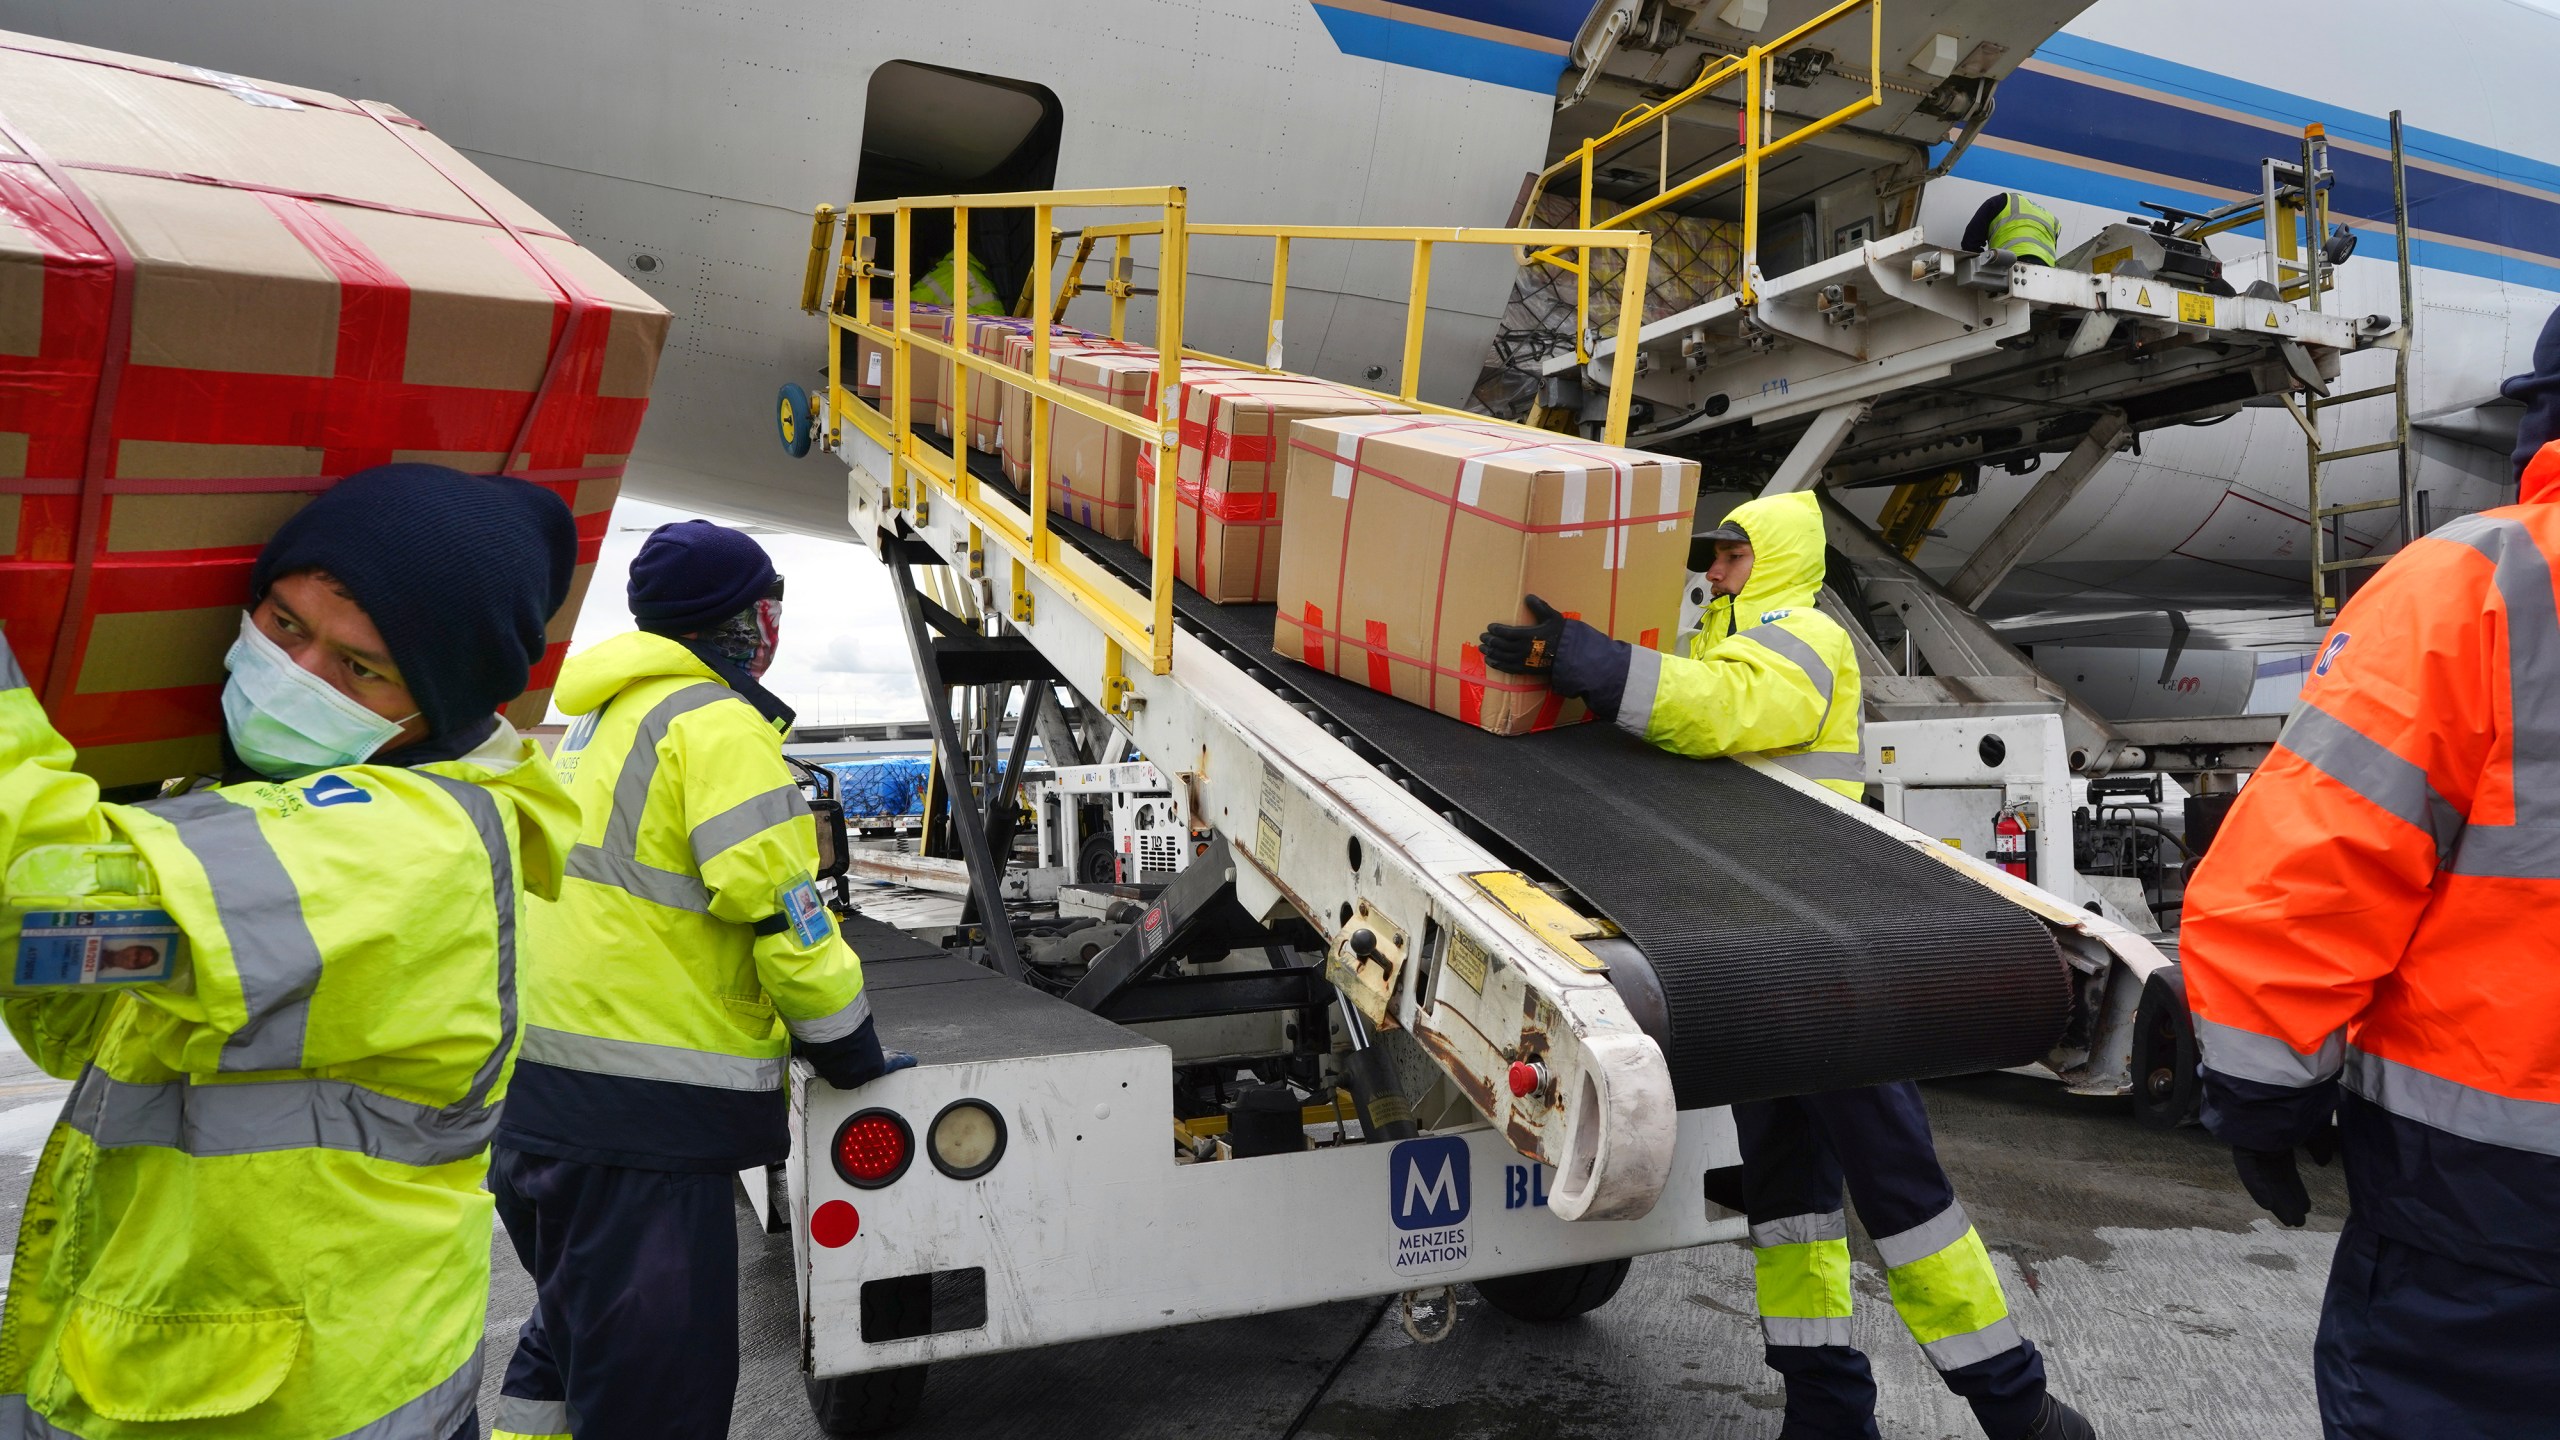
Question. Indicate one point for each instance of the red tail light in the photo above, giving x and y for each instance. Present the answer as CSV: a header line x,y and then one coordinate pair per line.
x,y
873,1149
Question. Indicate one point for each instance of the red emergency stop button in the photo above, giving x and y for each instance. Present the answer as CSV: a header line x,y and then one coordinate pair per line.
x,y
1527,1078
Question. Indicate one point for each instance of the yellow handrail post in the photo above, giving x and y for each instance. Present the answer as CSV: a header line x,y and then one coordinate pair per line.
x,y
1173,264
901,378
1279,301
1622,363
1417,308
964,482
822,234
1119,286
1582,277
1043,544
1752,135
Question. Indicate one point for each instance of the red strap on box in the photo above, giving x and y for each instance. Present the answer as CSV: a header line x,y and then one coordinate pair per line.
x,y
1311,635
98,450
1381,673
579,302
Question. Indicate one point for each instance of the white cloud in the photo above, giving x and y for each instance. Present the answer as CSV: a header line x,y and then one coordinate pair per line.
x,y
842,656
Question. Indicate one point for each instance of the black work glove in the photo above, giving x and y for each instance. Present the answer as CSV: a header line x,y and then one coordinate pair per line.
x,y
1524,649
852,1061
2273,1180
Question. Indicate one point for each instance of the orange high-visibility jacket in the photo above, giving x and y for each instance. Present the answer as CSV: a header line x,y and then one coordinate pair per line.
x,y
2380,913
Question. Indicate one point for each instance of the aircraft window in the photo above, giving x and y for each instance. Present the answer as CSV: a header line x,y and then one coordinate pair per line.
x,y
929,130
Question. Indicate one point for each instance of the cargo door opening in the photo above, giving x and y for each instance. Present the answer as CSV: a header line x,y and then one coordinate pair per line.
x,y
928,130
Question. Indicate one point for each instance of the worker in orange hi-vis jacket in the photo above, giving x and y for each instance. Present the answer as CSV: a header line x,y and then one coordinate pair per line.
x,y
2372,950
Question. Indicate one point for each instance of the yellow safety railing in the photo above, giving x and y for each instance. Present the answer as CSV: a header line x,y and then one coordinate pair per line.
x,y
1755,144
1134,623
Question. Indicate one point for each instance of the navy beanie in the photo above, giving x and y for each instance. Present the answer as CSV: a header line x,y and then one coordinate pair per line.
x,y
460,573
2538,390
692,575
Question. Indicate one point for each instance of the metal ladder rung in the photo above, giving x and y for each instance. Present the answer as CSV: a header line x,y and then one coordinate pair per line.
x,y
2323,402
2354,507
2352,451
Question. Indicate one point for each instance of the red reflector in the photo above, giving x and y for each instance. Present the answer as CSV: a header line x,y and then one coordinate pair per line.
x,y
1526,1077
835,1224
873,1149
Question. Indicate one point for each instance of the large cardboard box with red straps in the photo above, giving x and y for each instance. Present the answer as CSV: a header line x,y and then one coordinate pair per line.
x,y
217,297
986,336
1016,427
1227,517
1408,535
872,374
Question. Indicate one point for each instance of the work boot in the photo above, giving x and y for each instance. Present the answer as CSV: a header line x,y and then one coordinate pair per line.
x,y
2057,1421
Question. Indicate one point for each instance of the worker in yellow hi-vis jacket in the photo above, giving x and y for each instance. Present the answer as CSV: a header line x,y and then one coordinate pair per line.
x,y
688,958
262,1212
1768,673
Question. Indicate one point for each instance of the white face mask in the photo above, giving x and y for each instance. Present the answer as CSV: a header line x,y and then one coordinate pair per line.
x,y
286,722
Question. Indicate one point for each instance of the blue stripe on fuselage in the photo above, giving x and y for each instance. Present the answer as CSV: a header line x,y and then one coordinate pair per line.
x,y
1403,42
2071,117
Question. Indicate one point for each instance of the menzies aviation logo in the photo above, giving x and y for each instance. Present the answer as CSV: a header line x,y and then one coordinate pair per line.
x,y
1428,1195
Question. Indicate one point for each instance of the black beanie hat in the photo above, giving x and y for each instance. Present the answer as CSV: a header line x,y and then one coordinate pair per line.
x,y
460,573
692,574
2538,390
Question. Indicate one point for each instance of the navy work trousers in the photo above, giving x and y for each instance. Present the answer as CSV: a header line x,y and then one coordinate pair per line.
x,y
634,1330
2413,1343
1796,1156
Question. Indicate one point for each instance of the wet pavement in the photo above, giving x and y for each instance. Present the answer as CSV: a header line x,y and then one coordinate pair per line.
x,y
2166,1303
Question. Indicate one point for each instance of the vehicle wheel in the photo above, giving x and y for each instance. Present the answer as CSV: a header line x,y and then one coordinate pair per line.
x,y
795,419
868,1404
1544,1296
1096,862
2166,1087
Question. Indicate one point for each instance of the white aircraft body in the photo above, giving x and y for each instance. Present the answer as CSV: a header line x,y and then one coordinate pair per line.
x,y
687,144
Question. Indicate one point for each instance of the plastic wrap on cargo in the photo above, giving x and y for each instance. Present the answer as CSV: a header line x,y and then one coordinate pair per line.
x,y
886,787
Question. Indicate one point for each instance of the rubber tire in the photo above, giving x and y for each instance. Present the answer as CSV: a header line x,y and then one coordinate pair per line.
x,y
1543,1297
793,416
873,1403
1096,862
2167,1091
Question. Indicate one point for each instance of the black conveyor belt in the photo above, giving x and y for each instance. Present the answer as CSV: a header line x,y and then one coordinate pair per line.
x,y
1798,950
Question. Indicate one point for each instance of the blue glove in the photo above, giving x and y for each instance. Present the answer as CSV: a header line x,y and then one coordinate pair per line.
x,y
854,1060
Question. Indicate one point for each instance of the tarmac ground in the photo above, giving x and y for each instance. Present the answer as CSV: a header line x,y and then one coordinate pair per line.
x,y
2166,1303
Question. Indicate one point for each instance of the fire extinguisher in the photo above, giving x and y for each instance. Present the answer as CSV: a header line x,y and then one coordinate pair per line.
x,y
2009,846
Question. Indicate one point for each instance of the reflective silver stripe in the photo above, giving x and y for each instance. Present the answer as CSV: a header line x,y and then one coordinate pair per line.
x,y
831,1027
1801,1229
533,1417
2267,1060
1796,648
1793,1330
640,765
2453,1107
641,1061
1957,1351
251,1117
1644,681
272,951
666,887
483,810
435,1415
1824,765
2523,577
2396,786
2514,852
746,820
1926,1238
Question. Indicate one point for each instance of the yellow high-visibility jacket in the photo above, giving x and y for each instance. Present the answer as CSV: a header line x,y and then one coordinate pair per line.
x,y
664,989
262,1213
1766,672
938,284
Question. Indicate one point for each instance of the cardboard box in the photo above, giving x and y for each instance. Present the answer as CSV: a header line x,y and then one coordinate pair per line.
x,y
258,289
1227,492
868,370
1408,536
1092,467
987,335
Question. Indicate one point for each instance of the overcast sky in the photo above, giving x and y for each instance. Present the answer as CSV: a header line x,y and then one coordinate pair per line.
x,y
841,657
